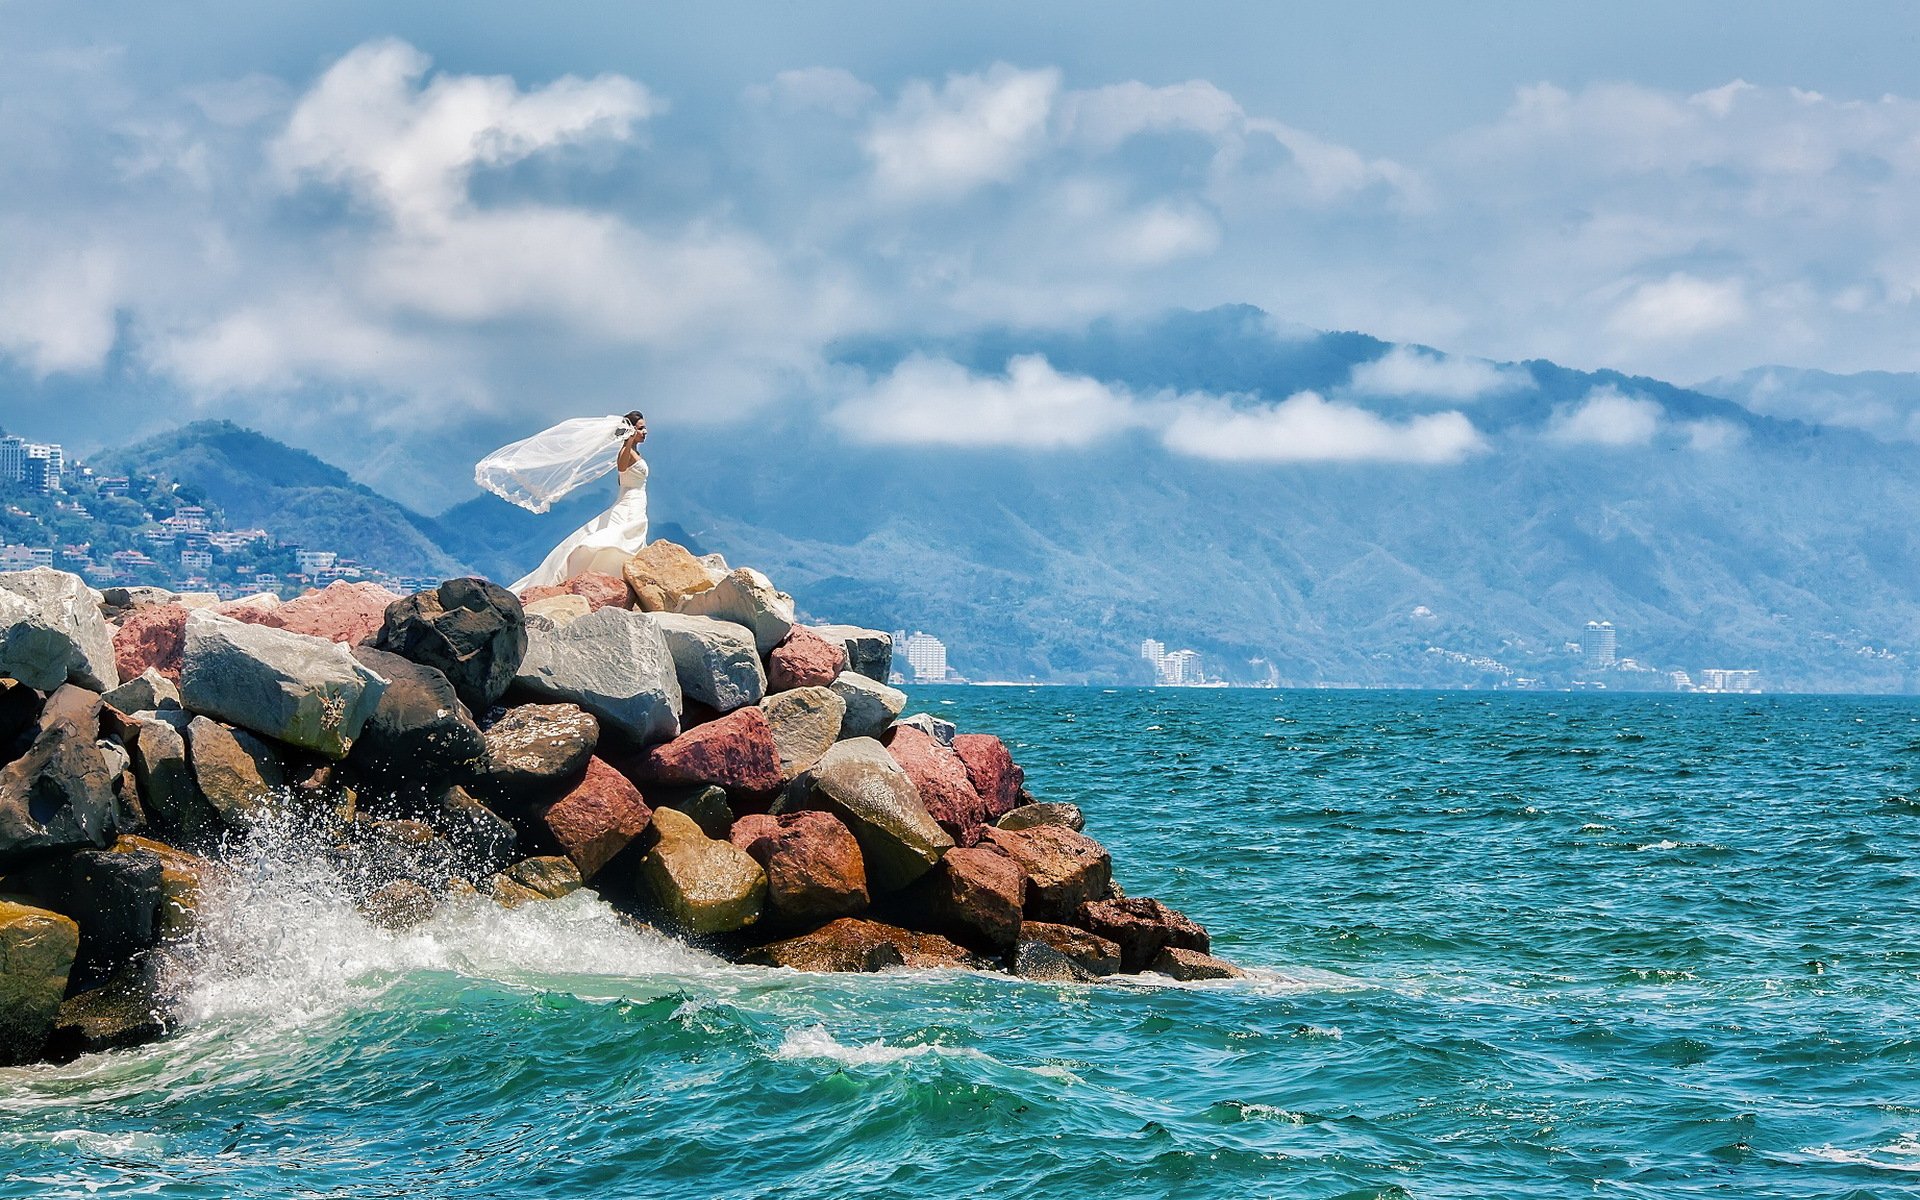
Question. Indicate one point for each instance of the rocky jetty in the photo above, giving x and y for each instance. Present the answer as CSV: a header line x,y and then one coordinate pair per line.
x,y
672,738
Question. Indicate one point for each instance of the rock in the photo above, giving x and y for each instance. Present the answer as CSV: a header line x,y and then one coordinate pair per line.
x,y
1064,869
614,664
1043,964
52,633
853,944
126,788
804,659
746,597
544,878
125,599
663,574
1030,816
938,728
706,804
715,661
304,691
858,782
601,590
715,565
735,752
472,631
19,711
973,896
596,820
344,612
479,840
703,885
419,730
869,651
871,706
992,771
1191,965
399,905
37,949
183,878
537,751
254,609
237,773
1142,927
168,785
814,869
149,691
805,723
60,793
151,639
113,897
1089,951
941,779
124,1011
562,610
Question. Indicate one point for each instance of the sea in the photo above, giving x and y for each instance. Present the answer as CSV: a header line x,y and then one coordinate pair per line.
x,y
1527,945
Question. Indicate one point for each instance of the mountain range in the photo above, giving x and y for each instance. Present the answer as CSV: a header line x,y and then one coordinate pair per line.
x,y
1709,528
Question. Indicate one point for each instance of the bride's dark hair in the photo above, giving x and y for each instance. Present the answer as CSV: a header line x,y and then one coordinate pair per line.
x,y
635,417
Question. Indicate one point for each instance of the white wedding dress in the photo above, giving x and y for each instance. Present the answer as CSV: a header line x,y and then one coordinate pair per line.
x,y
603,544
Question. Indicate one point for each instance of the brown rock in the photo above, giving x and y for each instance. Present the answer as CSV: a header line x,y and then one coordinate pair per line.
x,y
37,949
114,898
153,637
595,820
974,896
1143,927
804,659
127,1010
1064,869
1030,814
736,752
419,734
167,785
805,724
563,609
238,773
340,612
853,944
537,751
992,771
548,877
813,865
19,710
183,879
1191,965
941,778
60,793
662,574
702,885
399,905
1093,953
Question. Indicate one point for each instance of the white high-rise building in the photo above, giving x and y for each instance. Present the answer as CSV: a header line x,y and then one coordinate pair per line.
x,y
1181,666
1155,652
927,655
13,459
1601,645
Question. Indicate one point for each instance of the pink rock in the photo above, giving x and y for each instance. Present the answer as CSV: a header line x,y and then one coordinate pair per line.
x,y
975,896
1143,927
941,778
601,591
340,612
814,869
992,771
543,593
1064,869
804,659
597,819
736,752
151,636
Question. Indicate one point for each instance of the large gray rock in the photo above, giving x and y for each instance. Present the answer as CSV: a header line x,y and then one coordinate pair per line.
x,y
419,732
51,632
167,783
869,651
304,691
746,597
472,631
871,706
240,777
938,728
859,782
615,664
716,661
59,794
146,692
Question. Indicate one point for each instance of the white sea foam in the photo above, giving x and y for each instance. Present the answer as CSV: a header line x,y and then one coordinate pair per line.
x,y
1901,1154
814,1041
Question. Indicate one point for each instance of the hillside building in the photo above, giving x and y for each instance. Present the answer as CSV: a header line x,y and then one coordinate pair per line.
x,y
1601,646
927,656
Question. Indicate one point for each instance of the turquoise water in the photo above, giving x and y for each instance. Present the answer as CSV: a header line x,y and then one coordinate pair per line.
x,y
1533,946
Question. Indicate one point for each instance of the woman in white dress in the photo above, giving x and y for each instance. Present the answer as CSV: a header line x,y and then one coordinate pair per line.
x,y
605,543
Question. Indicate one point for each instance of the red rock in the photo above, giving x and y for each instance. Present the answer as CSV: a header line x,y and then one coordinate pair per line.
x,y
1143,927
814,868
851,944
992,771
340,612
941,778
601,591
735,751
974,896
804,659
597,819
152,636
1064,869
1098,955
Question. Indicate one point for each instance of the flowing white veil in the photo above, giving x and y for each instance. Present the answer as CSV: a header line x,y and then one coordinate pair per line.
x,y
536,471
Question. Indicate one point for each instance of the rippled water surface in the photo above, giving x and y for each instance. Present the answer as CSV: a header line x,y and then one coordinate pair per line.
x,y
1512,946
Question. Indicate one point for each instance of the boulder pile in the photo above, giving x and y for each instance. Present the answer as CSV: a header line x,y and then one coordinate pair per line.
x,y
672,738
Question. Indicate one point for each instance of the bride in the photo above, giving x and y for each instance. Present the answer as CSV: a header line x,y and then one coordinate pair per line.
x,y
536,472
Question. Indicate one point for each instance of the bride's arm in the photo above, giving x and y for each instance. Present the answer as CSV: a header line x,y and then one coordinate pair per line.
x,y
628,453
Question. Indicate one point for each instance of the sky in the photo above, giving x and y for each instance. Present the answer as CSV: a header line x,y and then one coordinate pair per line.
x,y
395,233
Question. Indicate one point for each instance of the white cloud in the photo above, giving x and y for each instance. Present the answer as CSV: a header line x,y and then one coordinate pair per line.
x,y
59,313
368,124
1307,428
1607,416
1408,371
1679,307
1712,434
975,130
